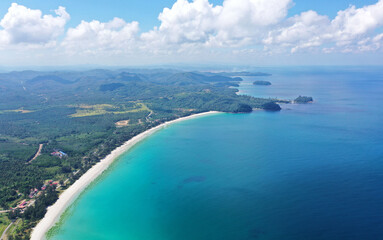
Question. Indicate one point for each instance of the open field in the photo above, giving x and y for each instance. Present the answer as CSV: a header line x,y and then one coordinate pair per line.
x,y
16,111
101,109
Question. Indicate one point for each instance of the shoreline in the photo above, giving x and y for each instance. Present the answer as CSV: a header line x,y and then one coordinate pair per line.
x,y
55,211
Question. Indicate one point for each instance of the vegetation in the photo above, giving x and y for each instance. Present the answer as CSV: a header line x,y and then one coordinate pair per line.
x,y
88,114
110,86
38,211
271,106
262,83
4,222
303,99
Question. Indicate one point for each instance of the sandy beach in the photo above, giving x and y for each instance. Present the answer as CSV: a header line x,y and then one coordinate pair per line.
x,y
68,196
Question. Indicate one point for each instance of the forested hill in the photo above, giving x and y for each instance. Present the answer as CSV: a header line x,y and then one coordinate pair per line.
x,y
38,90
87,114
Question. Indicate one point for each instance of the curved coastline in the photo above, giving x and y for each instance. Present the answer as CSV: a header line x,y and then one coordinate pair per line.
x,y
69,195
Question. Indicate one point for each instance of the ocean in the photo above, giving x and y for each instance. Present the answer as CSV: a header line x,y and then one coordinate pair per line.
x,y
309,172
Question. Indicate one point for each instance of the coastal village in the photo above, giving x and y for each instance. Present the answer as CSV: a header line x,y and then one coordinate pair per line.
x,y
35,193
25,202
22,205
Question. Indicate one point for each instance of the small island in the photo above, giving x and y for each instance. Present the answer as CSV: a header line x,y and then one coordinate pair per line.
x,y
262,83
303,100
272,106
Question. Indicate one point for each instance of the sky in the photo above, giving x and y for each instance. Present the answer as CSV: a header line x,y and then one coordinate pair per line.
x,y
196,32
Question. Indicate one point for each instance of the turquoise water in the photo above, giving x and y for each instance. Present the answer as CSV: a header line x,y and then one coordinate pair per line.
x,y
308,172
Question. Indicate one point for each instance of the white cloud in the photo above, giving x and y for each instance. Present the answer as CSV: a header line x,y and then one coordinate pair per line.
x,y
355,22
22,25
186,22
249,18
301,31
236,22
369,44
310,30
96,36
193,28
260,23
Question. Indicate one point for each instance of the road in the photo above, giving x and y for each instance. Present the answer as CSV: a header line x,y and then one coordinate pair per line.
x,y
38,153
150,114
74,174
6,230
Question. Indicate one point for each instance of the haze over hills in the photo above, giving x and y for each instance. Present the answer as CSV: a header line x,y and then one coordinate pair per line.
x,y
50,87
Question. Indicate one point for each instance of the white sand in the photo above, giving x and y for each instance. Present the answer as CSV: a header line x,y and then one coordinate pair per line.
x,y
68,196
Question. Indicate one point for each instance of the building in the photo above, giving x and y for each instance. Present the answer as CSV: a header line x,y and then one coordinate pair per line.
x,y
59,154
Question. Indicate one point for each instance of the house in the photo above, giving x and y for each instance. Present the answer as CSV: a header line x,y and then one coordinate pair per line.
x,y
59,154
33,192
63,154
22,204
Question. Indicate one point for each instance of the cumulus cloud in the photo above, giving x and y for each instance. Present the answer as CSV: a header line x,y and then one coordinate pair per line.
x,y
97,36
355,22
250,18
302,31
22,25
262,23
234,23
185,22
346,31
192,27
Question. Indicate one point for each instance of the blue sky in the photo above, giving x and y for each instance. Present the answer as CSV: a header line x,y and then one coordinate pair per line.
x,y
297,32
146,12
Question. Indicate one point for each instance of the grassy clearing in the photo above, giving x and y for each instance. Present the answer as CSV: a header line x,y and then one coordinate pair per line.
x,y
141,107
101,109
122,123
20,110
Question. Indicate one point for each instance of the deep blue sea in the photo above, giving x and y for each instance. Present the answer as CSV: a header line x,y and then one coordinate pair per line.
x,y
309,172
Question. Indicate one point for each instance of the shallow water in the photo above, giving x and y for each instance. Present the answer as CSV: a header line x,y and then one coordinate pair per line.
x,y
308,172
